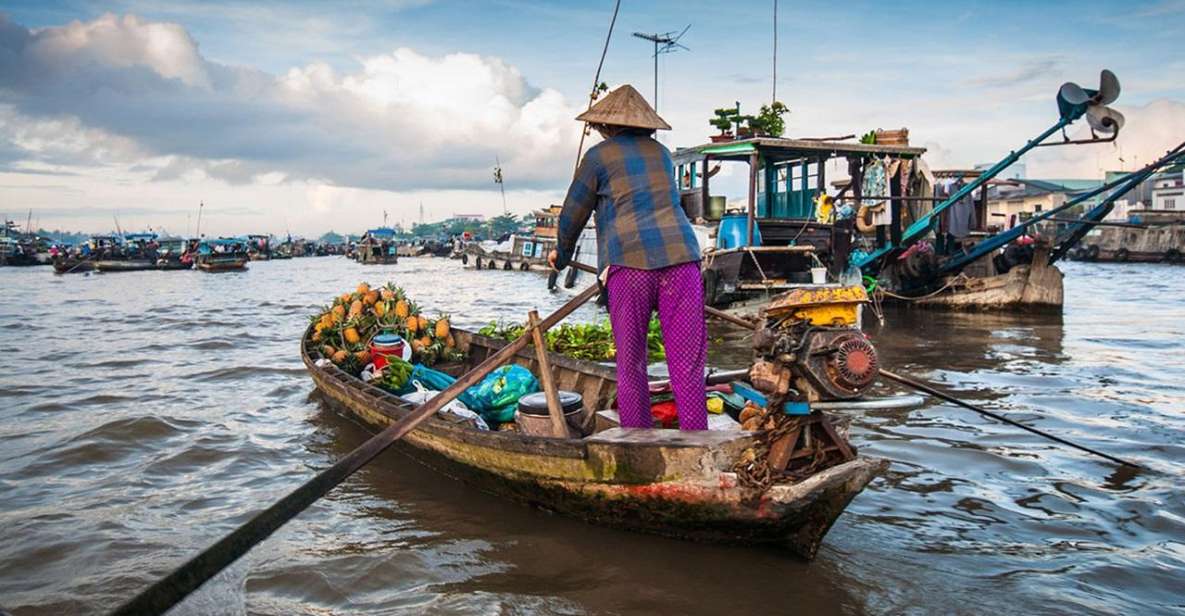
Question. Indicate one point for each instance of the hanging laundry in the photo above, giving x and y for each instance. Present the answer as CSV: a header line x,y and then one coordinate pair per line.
x,y
876,184
960,216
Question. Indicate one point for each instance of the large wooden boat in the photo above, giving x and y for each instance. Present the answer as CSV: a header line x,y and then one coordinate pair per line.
x,y
1034,287
666,482
1023,280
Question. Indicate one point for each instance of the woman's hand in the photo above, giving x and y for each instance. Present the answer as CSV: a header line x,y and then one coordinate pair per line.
x,y
551,259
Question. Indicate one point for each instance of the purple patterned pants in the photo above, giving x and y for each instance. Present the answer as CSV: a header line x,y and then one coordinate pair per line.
x,y
678,294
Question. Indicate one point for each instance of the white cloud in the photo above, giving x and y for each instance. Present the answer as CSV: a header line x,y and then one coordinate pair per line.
x,y
401,121
1149,132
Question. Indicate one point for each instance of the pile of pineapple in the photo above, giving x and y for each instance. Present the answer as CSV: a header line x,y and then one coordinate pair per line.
x,y
342,331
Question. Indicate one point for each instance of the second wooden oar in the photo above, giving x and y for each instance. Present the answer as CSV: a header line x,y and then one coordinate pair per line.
x,y
171,589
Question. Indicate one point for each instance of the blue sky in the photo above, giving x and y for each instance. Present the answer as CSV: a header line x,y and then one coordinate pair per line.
x,y
970,79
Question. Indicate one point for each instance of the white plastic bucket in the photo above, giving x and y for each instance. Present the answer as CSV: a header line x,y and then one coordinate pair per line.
x,y
818,275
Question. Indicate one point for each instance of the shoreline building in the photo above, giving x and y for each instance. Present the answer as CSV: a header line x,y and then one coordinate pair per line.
x,y
1012,201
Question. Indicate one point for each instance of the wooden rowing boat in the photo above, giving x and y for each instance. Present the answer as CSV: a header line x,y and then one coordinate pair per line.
x,y
667,482
222,264
70,265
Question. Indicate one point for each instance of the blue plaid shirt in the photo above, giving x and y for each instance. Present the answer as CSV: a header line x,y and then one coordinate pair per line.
x,y
629,181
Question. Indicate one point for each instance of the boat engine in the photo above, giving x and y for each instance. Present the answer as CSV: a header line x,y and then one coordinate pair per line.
x,y
809,346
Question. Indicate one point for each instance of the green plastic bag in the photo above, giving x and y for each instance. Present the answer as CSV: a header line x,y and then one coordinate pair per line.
x,y
495,398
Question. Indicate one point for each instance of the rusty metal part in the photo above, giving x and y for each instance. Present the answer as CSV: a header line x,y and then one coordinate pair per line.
x,y
838,363
770,377
791,449
854,364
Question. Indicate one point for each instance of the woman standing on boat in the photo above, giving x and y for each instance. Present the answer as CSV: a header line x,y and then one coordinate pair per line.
x,y
646,241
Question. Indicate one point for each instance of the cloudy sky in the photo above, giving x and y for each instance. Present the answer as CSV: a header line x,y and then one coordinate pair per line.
x,y
310,115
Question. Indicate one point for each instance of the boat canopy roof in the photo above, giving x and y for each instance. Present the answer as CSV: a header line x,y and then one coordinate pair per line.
x,y
381,233
779,149
224,241
139,237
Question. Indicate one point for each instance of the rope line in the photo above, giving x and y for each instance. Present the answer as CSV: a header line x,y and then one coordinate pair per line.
x,y
592,95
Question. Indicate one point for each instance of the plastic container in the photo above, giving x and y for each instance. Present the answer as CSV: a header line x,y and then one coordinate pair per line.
x,y
734,231
383,345
532,416
818,275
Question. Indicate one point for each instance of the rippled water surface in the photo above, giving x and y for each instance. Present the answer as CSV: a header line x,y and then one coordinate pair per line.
x,y
143,415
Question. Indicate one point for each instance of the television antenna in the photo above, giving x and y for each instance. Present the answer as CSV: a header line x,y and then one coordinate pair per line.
x,y
667,42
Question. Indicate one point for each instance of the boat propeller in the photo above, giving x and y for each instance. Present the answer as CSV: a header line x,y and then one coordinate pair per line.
x,y
1074,101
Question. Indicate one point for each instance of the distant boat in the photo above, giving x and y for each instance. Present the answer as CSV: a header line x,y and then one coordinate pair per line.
x,y
377,247
172,254
136,252
222,255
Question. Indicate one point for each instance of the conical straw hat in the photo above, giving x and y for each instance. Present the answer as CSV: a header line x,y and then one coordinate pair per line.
x,y
624,107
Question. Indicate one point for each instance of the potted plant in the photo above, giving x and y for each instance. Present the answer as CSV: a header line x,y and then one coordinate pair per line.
x,y
746,127
769,122
724,120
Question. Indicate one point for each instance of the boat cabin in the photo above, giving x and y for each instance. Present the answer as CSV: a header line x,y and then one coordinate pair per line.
x,y
259,246
787,224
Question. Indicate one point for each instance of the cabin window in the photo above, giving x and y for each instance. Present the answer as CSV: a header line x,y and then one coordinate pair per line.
x,y
1170,204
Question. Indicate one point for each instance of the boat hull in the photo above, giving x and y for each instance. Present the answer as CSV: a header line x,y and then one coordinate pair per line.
x,y
130,265
73,266
167,264
655,481
389,260
223,266
1025,288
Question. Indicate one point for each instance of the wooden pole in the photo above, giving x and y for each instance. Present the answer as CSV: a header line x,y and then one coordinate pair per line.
x,y
559,428
170,590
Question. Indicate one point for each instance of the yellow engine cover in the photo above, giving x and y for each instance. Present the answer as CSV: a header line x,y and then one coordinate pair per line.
x,y
822,305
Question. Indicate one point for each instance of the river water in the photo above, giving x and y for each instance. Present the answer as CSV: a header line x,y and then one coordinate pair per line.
x,y
143,415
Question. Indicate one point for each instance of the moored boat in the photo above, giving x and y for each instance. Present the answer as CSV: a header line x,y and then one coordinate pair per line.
x,y
667,482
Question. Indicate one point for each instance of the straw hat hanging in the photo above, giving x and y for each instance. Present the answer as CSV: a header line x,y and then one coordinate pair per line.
x,y
624,107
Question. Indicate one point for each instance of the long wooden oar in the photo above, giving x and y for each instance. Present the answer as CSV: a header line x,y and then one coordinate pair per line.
x,y
171,589
922,387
